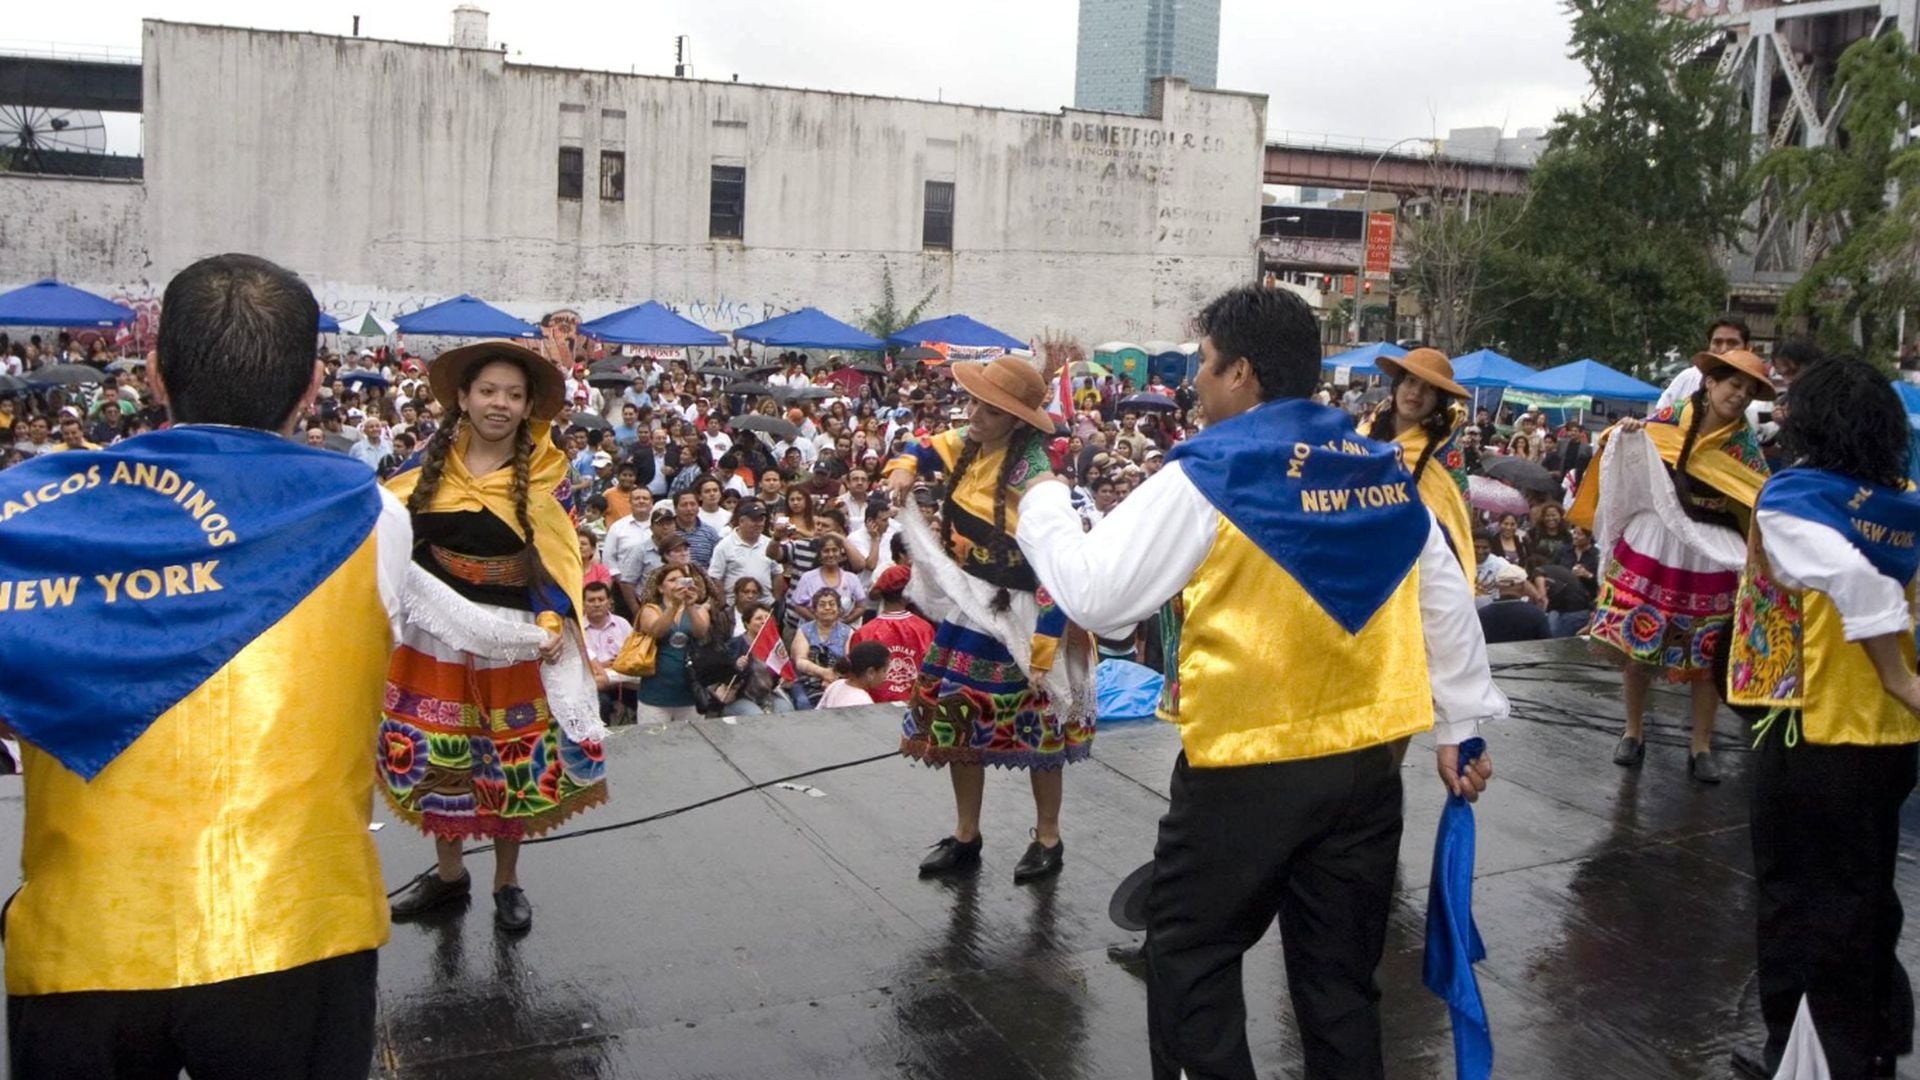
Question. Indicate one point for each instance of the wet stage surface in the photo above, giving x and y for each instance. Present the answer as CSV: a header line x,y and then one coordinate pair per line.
x,y
782,932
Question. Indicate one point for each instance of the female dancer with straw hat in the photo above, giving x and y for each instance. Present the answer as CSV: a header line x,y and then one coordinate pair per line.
x,y
1670,503
478,742
996,687
1423,416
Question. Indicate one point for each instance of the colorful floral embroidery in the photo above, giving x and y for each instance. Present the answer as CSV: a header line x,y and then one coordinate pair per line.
x,y
971,706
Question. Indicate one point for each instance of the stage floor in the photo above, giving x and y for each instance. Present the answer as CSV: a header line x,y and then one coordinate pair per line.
x,y
782,932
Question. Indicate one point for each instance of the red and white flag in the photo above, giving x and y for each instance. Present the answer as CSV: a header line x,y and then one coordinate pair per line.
x,y
771,651
1063,393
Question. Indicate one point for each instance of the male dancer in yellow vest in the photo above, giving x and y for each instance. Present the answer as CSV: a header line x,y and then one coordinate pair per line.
x,y
199,891
1326,620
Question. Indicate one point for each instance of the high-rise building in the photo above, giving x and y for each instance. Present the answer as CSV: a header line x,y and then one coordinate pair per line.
x,y
1126,44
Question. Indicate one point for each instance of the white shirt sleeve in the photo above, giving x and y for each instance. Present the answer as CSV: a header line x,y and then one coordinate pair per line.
x,y
1808,555
1681,388
393,553
1464,694
1136,559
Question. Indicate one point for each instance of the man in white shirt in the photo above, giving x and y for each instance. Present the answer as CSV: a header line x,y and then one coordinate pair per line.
x,y
1725,335
853,501
629,551
1288,805
746,551
873,539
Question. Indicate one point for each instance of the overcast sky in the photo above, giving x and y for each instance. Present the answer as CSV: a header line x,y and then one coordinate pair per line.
x,y
1383,69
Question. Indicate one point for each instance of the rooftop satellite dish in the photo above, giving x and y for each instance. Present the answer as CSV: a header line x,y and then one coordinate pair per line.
x,y
34,138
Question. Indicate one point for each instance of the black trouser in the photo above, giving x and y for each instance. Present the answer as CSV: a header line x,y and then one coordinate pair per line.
x,y
313,1022
613,698
1314,842
1826,837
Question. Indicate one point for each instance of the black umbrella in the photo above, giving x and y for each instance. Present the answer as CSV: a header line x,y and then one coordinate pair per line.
x,y
372,377
761,371
917,353
589,420
613,365
131,363
1521,473
869,367
1150,402
10,384
608,382
751,389
772,425
806,393
66,375
714,369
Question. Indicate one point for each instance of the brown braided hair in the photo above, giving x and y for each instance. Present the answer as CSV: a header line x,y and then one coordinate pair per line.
x,y
1682,483
1001,549
433,461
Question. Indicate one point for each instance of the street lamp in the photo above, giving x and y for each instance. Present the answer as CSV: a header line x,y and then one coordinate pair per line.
x,y
1366,218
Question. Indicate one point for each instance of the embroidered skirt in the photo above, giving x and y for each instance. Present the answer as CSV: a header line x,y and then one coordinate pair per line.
x,y
1661,605
972,705
468,750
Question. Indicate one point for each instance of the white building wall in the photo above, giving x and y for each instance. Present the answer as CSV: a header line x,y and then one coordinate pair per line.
x,y
394,175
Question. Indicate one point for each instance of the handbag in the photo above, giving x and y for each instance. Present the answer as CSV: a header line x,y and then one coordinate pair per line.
x,y
638,656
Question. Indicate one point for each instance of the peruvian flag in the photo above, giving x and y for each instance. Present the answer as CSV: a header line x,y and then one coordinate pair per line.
x,y
1063,393
771,651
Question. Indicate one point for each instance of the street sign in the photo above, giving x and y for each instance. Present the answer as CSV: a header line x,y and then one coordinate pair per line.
x,y
1379,244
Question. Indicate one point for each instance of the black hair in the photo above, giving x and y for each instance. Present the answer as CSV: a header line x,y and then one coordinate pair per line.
x,y
1732,322
1274,330
1845,418
863,657
593,586
236,342
1438,424
1799,351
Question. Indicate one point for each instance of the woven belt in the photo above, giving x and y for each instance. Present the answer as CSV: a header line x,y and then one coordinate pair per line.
x,y
478,570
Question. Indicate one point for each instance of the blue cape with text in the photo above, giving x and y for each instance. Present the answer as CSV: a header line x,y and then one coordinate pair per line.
x,y
1880,521
1335,510
130,575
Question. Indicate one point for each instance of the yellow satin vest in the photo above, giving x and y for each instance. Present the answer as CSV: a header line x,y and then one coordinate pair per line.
x,y
1844,701
1266,675
231,838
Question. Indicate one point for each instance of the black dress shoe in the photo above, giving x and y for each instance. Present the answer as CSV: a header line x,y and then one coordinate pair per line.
x,y
951,856
511,912
429,891
1039,862
1751,1063
1704,767
1630,751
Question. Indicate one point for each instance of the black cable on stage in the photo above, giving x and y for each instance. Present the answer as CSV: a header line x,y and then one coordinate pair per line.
x,y
575,834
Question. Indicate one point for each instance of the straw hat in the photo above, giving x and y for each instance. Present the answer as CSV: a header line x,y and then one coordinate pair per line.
x,y
1743,362
1430,366
547,390
1009,384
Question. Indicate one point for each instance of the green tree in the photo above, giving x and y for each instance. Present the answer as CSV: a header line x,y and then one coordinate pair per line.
x,y
885,318
1615,254
1859,192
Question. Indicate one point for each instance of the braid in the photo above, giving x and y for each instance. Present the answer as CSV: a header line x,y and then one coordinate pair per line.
x,y
1682,483
522,465
1000,549
1438,425
969,450
433,461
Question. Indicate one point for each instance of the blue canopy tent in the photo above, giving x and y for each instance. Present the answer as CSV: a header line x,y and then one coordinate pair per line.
x,y
465,316
1910,399
1488,370
810,328
1575,387
1360,362
329,324
955,330
48,303
650,323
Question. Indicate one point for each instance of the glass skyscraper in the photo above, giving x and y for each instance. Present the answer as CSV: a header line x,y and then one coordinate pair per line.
x,y
1126,44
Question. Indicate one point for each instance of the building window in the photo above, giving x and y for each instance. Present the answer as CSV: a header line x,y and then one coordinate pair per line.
x,y
728,217
936,223
573,167
613,175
